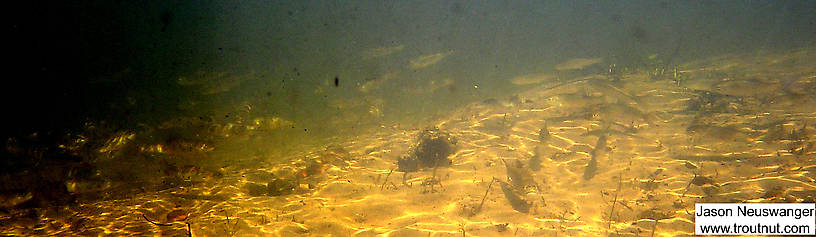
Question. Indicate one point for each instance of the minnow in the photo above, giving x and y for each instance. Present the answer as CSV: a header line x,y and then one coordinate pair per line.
x,y
514,197
519,176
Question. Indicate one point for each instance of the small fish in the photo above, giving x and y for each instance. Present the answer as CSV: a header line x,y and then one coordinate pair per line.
x,y
601,147
656,214
210,83
590,169
490,101
531,79
514,197
86,186
700,180
428,60
592,166
543,134
623,113
577,63
381,51
718,133
375,83
519,176
600,132
177,215
601,143
747,87
535,162
657,172
11,199
575,101
690,165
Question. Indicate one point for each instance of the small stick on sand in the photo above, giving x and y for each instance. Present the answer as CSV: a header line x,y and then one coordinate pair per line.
x,y
617,191
155,223
485,196
189,232
687,186
386,179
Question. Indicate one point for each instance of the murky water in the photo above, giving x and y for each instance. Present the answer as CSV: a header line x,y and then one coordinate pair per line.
x,y
413,119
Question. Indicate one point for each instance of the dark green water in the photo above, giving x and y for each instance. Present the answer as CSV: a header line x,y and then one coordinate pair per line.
x,y
164,68
120,61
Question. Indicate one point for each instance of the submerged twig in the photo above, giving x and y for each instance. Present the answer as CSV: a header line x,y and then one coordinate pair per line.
x,y
432,181
189,230
485,195
231,230
615,201
386,179
155,223
404,178
687,187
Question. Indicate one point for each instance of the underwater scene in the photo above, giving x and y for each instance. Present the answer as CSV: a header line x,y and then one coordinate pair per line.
x,y
402,118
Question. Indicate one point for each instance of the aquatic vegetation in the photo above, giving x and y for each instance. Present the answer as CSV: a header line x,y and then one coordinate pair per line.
x,y
432,150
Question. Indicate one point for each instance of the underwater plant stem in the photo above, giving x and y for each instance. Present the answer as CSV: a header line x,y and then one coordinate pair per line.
x,y
485,195
386,179
155,223
615,201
